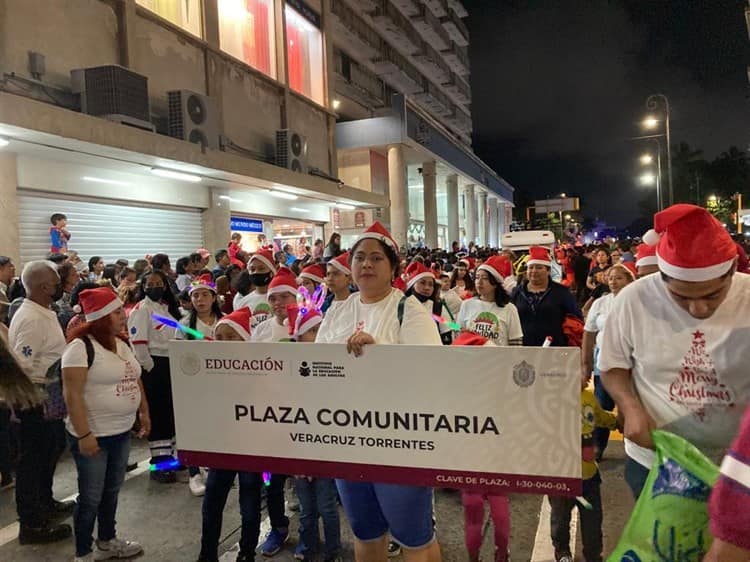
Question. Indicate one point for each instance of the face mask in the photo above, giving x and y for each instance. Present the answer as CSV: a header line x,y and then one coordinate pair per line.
x,y
421,297
260,279
155,293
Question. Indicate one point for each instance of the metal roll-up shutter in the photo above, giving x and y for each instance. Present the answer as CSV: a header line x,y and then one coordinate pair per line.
x,y
109,229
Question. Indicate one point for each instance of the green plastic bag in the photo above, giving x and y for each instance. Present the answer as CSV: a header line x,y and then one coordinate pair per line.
x,y
670,519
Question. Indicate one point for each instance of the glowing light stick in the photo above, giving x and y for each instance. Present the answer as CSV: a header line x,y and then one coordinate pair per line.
x,y
584,503
172,323
172,464
452,325
547,341
266,479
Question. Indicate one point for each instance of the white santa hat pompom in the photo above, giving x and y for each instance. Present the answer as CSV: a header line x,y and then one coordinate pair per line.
x,y
651,238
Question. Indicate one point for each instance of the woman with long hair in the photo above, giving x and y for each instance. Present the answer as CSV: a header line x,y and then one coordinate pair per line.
x,y
103,391
380,313
422,284
333,249
96,268
150,339
461,281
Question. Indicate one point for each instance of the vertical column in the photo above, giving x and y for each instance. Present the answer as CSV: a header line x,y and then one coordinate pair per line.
x,y
493,232
471,213
399,194
216,221
10,242
502,227
451,184
430,204
482,216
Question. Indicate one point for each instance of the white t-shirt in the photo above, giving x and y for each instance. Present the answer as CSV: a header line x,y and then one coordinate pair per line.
x,y
202,327
597,316
334,305
36,339
380,320
499,325
111,392
690,374
270,331
258,305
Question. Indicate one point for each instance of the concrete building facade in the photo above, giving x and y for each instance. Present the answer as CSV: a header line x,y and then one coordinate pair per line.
x,y
256,81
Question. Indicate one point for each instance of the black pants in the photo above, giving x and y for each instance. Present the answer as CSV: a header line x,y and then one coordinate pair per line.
x,y
591,521
275,501
42,443
6,456
158,387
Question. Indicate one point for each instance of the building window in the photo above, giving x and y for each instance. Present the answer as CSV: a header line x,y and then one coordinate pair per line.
x,y
304,55
188,14
246,31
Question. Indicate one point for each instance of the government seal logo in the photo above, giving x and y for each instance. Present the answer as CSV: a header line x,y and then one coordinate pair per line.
x,y
190,364
524,374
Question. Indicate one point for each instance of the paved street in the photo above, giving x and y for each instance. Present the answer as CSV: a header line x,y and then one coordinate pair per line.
x,y
166,519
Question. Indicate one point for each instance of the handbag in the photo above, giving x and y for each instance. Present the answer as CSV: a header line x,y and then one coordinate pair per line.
x,y
54,399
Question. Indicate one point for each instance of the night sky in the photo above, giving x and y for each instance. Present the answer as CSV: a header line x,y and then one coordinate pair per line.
x,y
560,86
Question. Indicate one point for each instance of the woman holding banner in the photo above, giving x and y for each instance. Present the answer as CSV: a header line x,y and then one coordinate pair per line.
x,y
381,314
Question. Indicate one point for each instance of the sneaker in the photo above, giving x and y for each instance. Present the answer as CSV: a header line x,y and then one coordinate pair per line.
x,y
44,535
197,485
563,556
299,551
87,558
163,476
60,510
274,541
116,548
394,549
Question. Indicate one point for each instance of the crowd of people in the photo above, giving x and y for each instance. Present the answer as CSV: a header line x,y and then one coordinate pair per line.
x,y
85,365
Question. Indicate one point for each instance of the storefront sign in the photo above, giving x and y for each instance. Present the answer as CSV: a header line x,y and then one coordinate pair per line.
x,y
305,11
240,224
336,218
359,219
495,419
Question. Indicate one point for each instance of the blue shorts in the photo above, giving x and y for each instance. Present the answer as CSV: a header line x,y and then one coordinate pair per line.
x,y
374,509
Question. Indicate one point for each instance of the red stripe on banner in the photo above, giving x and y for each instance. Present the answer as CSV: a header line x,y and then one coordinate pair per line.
x,y
432,477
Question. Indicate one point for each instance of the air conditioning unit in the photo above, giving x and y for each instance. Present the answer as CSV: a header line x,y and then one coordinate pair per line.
x,y
194,118
291,150
113,92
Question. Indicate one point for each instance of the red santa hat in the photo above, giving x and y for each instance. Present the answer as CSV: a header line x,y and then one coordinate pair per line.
x,y
300,322
497,266
239,321
203,252
378,232
203,282
415,272
645,255
314,272
342,263
265,257
470,338
98,303
283,282
469,262
691,245
629,269
539,256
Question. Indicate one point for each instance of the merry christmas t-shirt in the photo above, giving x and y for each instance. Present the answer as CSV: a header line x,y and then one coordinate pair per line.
x,y
690,374
111,392
258,305
500,325
270,331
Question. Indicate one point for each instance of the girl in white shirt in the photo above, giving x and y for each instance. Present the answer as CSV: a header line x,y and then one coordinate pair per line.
x,y
421,283
491,314
372,317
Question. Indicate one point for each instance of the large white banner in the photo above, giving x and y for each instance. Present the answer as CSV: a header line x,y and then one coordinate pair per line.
x,y
484,418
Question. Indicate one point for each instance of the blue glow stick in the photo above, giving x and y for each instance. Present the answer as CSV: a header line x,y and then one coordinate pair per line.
x,y
172,323
172,464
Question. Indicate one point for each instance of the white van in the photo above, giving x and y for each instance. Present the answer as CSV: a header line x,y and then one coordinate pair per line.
x,y
520,241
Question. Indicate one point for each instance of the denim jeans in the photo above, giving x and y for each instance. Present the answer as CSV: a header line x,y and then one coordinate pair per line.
x,y
218,484
99,480
41,444
635,476
318,499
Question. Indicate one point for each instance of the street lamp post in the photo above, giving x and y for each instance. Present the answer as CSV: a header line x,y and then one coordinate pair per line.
x,y
661,102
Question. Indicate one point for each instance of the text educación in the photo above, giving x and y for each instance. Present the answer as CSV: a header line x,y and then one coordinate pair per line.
x,y
370,419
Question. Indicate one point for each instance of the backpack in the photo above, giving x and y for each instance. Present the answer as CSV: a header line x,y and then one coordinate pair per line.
x,y
54,400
